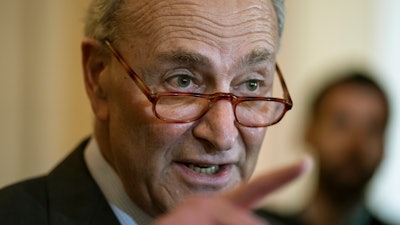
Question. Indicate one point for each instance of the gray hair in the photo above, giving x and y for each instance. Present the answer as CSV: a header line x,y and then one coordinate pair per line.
x,y
102,18
279,6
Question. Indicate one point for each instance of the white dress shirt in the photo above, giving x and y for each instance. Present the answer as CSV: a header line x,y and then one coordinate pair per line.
x,y
111,186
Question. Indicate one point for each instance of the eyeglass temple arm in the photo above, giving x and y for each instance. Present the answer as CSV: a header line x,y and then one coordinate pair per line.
x,y
286,93
146,90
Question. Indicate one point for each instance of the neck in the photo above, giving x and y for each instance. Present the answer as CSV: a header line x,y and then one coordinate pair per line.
x,y
330,209
102,136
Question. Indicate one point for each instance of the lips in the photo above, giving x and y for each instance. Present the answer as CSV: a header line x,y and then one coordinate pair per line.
x,y
204,169
205,175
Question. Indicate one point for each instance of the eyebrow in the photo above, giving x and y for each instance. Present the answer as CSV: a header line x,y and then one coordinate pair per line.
x,y
184,57
255,57
191,58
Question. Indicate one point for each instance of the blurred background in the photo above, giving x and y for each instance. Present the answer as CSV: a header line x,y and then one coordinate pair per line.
x,y
44,111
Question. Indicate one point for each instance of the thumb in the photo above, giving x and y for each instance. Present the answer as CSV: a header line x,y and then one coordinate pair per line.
x,y
250,194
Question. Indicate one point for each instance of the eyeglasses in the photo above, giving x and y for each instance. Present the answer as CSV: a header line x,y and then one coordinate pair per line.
x,y
185,107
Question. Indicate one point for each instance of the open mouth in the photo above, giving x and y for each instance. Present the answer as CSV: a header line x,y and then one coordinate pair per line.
x,y
204,169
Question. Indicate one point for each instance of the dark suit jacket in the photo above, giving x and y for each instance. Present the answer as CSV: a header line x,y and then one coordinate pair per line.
x,y
68,195
275,219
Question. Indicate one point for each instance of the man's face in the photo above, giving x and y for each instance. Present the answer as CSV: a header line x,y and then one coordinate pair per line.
x,y
192,46
348,135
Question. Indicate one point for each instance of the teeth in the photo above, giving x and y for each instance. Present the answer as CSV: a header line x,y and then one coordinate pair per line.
x,y
206,170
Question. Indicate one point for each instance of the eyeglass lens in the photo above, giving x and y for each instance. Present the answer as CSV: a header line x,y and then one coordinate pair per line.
x,y
189,108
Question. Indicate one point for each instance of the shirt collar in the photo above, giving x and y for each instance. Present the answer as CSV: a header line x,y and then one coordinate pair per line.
x,y
111,186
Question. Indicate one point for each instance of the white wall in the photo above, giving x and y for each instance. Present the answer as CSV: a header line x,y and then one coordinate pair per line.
x,y
385,192
44,111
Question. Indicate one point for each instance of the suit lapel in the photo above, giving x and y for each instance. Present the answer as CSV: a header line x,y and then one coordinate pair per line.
x,y
74,197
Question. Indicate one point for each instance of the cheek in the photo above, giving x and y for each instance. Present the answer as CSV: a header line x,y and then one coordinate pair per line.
x,y
329,147
372,155
142,146
252,141
329,141
143,135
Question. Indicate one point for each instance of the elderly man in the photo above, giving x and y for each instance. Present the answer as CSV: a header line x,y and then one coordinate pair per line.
x,y
181,92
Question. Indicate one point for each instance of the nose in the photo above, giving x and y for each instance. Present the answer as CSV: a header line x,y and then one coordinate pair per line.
x,y
218,127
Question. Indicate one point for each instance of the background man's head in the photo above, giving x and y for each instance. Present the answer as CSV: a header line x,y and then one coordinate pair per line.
x,y
346,130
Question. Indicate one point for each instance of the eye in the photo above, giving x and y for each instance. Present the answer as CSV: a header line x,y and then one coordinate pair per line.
x,y
252,85
181,82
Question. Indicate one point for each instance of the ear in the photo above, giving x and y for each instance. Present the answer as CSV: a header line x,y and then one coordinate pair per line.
x,y
94,62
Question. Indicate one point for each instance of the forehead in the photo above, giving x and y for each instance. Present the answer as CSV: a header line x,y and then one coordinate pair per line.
x,y
358,100
218,24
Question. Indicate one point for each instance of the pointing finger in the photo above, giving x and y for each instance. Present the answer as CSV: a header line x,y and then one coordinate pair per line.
x,y
249,194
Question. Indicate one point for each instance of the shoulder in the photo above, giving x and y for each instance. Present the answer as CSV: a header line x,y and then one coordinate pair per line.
x,y
25,190
34,201
66,195
375,220
24,202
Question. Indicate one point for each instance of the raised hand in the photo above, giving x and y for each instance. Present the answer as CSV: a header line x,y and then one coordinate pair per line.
x,y
235,207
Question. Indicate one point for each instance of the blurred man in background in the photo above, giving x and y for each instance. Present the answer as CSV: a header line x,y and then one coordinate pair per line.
x,y
346,131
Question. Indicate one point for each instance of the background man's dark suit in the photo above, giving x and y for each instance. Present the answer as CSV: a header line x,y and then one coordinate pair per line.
x,y
67,196
275,219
